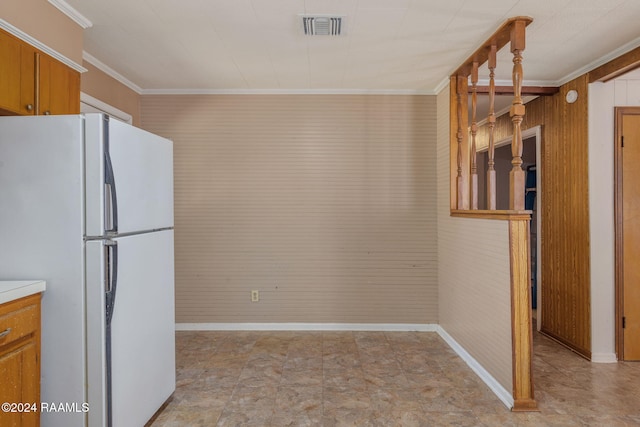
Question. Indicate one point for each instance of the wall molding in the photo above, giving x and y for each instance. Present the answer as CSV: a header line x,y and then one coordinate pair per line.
x,y
111,72
604,358
282,92
68,10
103,106
501,393
368,327
40,46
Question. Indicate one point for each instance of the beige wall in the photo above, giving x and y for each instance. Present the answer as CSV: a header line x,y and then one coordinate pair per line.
x,y
101,86
473,273
42,21
325,204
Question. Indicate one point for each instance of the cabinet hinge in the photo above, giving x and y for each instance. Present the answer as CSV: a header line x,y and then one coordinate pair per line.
x,y
624,322
622,141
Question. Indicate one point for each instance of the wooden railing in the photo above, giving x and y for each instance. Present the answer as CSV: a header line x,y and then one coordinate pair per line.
x,y
464,203
511,32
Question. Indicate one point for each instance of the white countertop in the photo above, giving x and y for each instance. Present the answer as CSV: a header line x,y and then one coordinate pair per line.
x,y
14,289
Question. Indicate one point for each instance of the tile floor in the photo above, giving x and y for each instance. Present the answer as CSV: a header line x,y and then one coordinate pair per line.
x,y
379,379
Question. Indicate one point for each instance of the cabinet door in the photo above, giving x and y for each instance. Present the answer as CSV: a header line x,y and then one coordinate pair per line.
x,y
17,68
58,87
20,376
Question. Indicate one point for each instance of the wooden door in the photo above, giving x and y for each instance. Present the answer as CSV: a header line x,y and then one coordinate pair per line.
x,y
628,232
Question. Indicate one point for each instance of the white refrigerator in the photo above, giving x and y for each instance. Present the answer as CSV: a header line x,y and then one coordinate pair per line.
x,y
86,203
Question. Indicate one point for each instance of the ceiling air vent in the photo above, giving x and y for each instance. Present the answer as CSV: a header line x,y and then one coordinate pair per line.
x,y
322,25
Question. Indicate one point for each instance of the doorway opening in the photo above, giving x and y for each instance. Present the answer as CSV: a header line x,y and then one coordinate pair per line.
x,y
531,155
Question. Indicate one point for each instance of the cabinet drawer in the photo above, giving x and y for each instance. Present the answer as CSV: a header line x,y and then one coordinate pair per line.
x,y
18,319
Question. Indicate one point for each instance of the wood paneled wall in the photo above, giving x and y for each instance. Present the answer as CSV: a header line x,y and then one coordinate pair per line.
x,y
326,204
565,258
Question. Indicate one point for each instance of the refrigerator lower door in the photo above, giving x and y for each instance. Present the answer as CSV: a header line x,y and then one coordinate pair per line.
x,y
142,330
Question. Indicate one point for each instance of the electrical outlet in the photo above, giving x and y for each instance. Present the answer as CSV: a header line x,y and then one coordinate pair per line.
x,y
255,296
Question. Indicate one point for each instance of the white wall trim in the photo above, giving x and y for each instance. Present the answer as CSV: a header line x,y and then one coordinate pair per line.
x,y
370,327
601,61
76,16
604,358
103,106
283,92
505,396
40,46
111,72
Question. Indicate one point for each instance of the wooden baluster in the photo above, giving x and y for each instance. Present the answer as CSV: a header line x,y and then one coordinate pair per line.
x,y
474,132
517,175
459,136
491,170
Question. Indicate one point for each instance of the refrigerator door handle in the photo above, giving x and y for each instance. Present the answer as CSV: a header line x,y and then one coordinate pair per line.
x,y
111,276
111,284
111,200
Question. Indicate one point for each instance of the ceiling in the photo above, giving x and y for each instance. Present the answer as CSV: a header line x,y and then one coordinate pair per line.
x,y
395,46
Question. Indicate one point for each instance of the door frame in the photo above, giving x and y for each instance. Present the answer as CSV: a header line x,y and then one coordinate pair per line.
x,y
619,113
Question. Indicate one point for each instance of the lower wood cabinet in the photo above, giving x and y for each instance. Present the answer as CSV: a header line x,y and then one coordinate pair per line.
x,y
20,362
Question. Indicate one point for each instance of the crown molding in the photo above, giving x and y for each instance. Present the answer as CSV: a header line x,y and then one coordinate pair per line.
x,y
40,46
282,92
76,16
111,72
600,61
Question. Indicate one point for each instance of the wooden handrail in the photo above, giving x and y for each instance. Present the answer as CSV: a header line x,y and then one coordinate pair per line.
x,y
500,38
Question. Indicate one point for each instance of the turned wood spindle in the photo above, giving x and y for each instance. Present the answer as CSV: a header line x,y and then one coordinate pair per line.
x,y
474,132
491,119
459,136
517,175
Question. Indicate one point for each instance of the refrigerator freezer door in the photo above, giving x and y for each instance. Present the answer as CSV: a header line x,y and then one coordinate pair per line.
x,y
143,173
142,327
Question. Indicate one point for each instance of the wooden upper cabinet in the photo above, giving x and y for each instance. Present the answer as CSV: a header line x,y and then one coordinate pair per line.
x,y
32,82
58,87
17,68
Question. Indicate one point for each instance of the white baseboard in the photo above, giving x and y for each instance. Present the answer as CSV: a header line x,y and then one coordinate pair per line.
x,y
604,358
371,327
502,393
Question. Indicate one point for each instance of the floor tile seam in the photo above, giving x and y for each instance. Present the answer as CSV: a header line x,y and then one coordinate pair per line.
x,y
369,386
280,382
236,385
398,361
